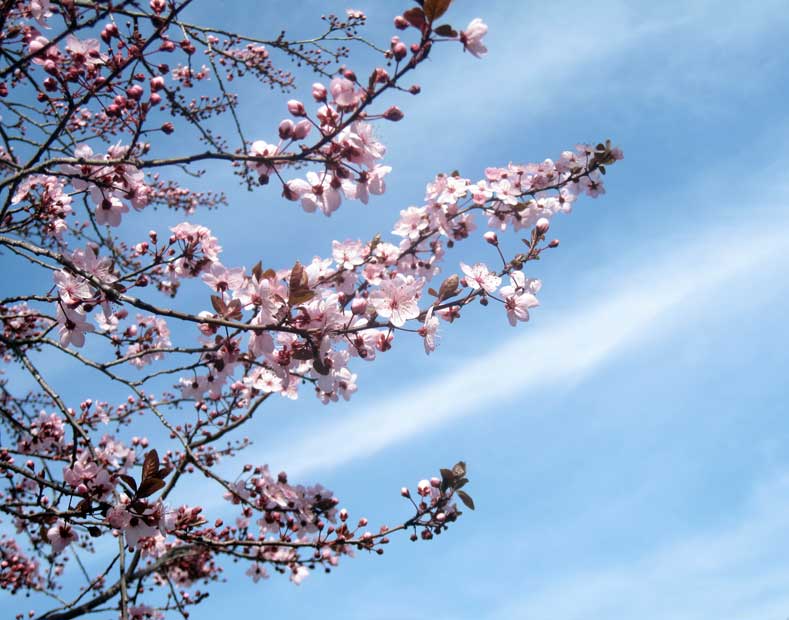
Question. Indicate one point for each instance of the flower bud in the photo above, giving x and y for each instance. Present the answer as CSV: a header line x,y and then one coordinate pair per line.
x,y
296,108
168,128
491,237
400,22
134,92
319,92
543,225
359,305
399,50
301,129
554,244
405,492
286,129
157,83
394,114
155,99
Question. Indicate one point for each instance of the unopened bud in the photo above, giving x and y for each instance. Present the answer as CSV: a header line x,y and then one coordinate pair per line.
x,y
405,492
296,108
554,244
400,22
491,237
359,305
318,92
286,129
168,128
543,225
394,114
399,50
301,129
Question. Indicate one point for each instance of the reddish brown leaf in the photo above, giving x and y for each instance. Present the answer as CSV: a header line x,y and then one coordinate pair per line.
x,y
149,486
435,9
150,464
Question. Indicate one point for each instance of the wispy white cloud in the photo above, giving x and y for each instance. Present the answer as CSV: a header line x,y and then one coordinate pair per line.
x,y
734,573
631,306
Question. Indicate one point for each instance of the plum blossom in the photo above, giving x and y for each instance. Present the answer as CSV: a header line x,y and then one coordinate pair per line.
x,y
72,326
396,299
61,535
317,192
479,276
471,37
519,297
429,331
344,92
263,149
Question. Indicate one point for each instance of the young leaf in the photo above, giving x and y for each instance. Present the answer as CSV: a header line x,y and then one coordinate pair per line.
x,y
466,499
445,30
435,9
149,486
299,290
130,482
150,464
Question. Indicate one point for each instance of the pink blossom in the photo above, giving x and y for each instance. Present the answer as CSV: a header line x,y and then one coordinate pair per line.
x,y
479,276
317,192
72,326
396,299
61,535
344,92
519,298
471,37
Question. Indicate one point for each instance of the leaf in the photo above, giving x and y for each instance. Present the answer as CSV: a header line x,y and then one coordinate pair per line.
x,y
149,486
84,506
433,292
150,465
164,472
130,482
445,30
94,531
299,290
257,270
466,499
435,9
218,304
459,469
415,17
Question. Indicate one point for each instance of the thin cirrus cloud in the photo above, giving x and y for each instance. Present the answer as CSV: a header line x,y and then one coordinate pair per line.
x,y
567,348
735,572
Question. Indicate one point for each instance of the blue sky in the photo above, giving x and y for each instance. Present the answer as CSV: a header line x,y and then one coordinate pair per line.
x,y
626,448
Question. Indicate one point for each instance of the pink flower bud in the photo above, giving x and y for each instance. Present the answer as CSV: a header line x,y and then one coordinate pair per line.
x,y
157,83
423,488
554,244
415,89
168,128
155,99
435,482
343,515
302,128
296,108
491,237
359,305
394,114
543,225
400,22
399,50
319,92
134,92
286,129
